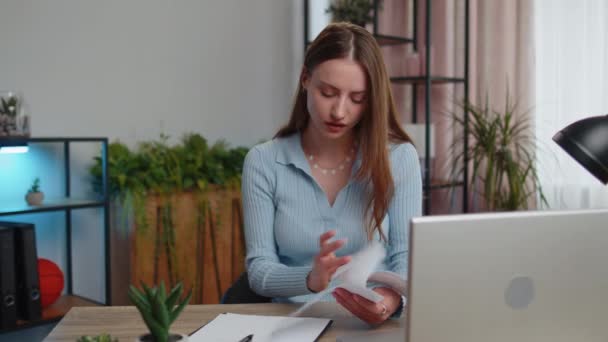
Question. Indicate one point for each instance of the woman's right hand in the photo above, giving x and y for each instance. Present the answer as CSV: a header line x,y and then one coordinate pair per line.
x,y
326,262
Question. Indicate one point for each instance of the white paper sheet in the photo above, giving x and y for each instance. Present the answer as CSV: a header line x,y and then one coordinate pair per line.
x,y
355,275
229,327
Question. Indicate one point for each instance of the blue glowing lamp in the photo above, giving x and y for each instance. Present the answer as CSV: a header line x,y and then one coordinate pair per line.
x,y
12,145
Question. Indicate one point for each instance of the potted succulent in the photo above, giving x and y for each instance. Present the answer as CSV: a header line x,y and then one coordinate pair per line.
x,y
34,195
98,338
357,12
159,310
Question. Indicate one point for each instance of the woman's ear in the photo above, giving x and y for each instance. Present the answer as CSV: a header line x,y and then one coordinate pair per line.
x,y
304,78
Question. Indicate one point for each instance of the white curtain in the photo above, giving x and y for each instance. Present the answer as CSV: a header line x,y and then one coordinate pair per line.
x,y
571,84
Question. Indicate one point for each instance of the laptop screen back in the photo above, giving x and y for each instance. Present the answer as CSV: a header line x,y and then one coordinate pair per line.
x,y
520,276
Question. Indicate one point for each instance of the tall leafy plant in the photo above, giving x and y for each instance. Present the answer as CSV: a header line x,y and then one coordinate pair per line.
x,y
159,169
357,12
501,156
126,182
155,167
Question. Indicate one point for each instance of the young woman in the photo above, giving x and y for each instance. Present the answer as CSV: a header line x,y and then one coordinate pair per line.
x,y
342,167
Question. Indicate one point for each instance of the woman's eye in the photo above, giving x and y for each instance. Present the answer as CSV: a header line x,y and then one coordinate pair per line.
x,y
358,100
327,94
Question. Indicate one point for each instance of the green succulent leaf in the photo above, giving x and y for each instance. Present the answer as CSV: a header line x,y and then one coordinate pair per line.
x,y
155,328
138,298
161,314
161,292
177,311
176,292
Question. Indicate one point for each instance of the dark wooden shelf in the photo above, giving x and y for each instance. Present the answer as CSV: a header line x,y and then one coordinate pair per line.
x,y
51,205
421,80
52,139
387,40
437,184
55,312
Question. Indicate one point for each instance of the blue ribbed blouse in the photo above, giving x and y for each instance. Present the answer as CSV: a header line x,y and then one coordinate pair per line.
x,y
285,212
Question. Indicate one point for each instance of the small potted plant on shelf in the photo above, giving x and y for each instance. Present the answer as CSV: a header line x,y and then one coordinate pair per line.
x,y
159,310
34,195
98,338
353,11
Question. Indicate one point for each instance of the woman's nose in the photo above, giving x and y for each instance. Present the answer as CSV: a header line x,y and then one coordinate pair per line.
x,y
339,110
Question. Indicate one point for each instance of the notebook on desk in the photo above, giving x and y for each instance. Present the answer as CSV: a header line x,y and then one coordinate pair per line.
x,y
229,327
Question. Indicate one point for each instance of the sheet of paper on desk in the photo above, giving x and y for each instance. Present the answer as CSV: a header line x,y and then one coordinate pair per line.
x,y
230,327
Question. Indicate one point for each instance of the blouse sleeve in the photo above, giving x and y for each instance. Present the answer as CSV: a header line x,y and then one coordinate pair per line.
x,y
267,275
405,204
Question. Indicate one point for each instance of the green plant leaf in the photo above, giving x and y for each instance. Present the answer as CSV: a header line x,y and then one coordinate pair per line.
x,y
155,328
175,313
138,298
150,293
160,312
176,292
161,292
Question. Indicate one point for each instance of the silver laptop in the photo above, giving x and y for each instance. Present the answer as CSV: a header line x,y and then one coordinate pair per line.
x,y
521,276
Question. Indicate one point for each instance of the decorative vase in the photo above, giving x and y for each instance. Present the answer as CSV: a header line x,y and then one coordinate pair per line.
x,y
172,338
34,198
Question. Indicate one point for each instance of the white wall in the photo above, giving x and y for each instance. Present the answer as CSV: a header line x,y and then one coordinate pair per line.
x,y
131,69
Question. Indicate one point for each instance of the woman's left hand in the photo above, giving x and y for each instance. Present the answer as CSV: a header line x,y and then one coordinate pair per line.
x,y
366,310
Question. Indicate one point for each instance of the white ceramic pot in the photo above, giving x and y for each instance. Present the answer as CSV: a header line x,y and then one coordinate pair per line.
x,y
34,198
172,338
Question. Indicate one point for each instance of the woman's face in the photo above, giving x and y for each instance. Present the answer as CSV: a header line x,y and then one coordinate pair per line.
x,y
337,96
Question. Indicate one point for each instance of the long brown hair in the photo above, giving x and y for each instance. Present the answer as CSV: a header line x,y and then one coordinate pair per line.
x,y
379,124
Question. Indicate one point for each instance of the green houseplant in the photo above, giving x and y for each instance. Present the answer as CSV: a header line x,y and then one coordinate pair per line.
x,y
156,168
357,12
159,310
10,105
501,156
34,196
150,187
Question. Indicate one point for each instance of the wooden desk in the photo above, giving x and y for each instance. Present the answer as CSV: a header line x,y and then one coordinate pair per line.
x,y
124,322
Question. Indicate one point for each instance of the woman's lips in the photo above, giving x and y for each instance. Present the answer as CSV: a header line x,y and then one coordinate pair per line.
x,y
334,127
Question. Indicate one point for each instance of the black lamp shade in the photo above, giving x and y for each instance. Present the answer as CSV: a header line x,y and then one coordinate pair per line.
x,y
587,142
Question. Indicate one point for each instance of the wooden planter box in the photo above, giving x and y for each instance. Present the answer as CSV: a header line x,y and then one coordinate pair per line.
x,y
200,245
